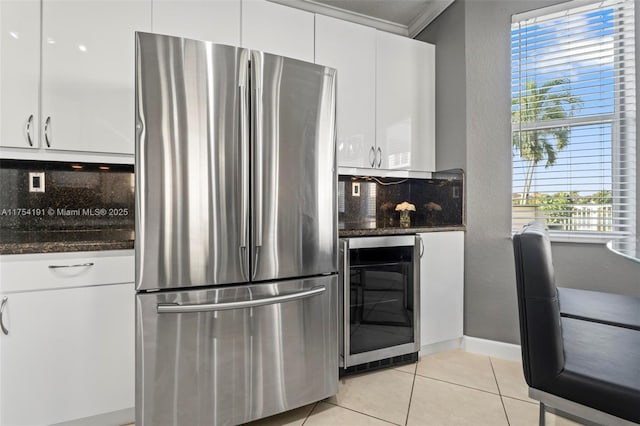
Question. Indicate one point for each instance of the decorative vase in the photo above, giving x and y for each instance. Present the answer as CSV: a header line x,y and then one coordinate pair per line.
x,y
405,219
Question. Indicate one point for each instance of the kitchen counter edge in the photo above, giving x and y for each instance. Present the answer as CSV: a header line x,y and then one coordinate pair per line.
x,y
63,247
346,233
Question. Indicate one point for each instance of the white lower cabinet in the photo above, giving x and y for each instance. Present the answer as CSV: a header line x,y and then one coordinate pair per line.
x,y
441,287
69,354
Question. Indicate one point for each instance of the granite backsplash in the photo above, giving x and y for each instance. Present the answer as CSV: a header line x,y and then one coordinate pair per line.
x,y
369,202
46,201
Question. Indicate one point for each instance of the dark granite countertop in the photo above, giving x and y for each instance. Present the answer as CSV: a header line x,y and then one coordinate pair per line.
x,y
342,233
21,242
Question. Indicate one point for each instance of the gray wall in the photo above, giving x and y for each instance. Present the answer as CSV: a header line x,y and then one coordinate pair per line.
x,y
473,119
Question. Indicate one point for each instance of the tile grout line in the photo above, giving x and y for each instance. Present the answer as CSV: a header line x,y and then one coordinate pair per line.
x,y
499,392
520,400
413,384
458,384
360,412
315,404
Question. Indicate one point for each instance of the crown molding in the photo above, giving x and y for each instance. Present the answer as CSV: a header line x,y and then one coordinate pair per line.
x,y
431,12
346,15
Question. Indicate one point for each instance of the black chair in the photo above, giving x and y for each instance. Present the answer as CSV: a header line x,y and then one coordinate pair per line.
x,y
579,368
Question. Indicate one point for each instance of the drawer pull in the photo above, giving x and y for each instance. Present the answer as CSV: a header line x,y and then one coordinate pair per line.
x,y
79,265
4,302
209,307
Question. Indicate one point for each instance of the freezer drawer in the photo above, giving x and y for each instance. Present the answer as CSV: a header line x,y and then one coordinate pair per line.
x,y
234,354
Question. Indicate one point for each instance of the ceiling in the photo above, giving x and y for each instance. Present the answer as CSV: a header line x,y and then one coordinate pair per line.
x,y
405,17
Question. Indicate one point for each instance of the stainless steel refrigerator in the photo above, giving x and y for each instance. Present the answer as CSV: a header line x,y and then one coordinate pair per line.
x,y
236,244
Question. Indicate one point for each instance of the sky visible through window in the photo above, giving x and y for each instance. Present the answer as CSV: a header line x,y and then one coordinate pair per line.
x,y
579,49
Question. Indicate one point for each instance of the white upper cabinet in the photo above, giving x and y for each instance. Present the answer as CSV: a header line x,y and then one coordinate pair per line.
x,y
277,29
405,103
19,73
217,21
351,49
88,73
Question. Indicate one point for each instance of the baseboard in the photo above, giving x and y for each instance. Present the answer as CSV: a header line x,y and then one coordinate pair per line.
x,y
447,345
492,348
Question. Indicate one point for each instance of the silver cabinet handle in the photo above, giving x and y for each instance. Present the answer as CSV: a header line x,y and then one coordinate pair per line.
x,y
28,129
372,160
47,122
379,159
2,305
175,308
421,248
79,265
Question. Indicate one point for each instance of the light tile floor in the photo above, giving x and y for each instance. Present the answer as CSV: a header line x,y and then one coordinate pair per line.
x,y
449,388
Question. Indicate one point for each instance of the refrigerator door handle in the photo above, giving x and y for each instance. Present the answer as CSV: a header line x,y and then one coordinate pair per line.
x,y
259,169
258,207
244,158
258,156
174,308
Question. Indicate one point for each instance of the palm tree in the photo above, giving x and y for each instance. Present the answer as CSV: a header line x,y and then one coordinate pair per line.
x,y
551,101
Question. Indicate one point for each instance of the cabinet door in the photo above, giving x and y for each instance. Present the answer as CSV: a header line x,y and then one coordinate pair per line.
x,y
19,73
88,73
211,20
405,103
441,287
277,29
351,49
69,354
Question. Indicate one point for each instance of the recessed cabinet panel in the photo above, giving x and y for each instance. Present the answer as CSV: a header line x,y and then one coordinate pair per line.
x,y
277,29
88,73
217,21
19,73
69,354
405,103
351,49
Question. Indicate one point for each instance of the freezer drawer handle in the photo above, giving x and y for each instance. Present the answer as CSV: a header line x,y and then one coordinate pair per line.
x,y
4,302
79,265
174,308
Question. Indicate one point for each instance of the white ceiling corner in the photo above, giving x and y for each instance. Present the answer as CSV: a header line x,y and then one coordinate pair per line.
x,y
346,15
432,10
403,17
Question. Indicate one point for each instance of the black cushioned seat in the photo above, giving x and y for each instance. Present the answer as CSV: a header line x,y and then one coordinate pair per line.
x,y
589,363
602,368
606,308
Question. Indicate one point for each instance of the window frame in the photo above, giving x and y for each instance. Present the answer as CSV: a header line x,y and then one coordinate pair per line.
x,y
623,149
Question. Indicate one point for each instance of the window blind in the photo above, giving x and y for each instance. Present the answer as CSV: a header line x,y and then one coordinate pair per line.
x,y
573,118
